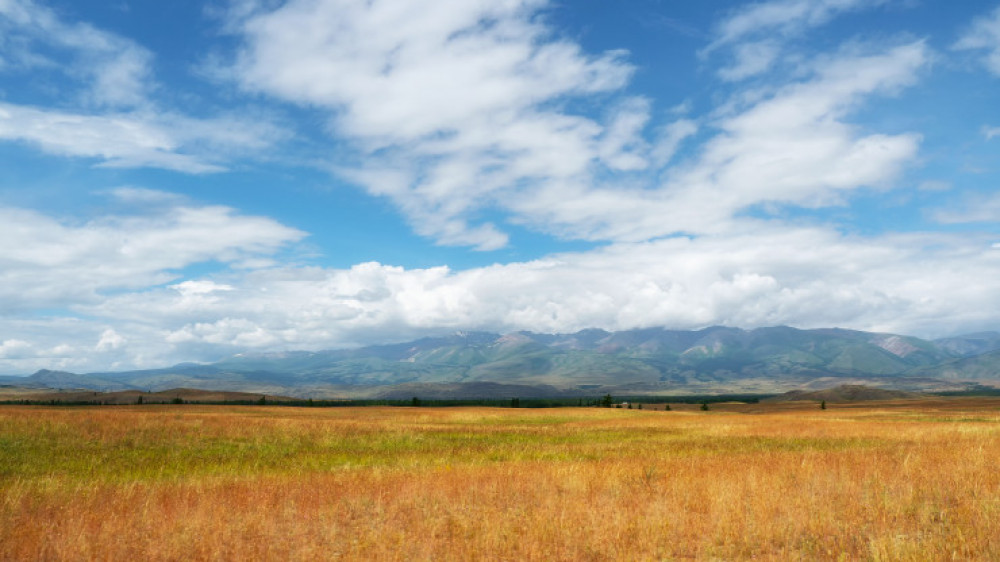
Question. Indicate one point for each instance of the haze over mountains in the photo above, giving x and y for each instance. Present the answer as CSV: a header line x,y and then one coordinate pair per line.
x,y
590,362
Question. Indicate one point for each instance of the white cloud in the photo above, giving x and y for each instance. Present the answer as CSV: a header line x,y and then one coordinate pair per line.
x,y
984,35
751,59
451,104
106,112
119,141
137,139
758,32
991,132
763,275
199,288
464,111
110,341
973,209
116,70
792,147
669,140
51,263
15,349
783,17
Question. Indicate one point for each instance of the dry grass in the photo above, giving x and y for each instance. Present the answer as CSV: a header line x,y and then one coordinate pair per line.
x,y
890,482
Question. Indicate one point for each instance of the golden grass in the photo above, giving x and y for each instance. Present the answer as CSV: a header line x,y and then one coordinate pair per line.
x,y
891,482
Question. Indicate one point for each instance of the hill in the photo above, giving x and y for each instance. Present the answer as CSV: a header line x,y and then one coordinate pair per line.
x,y
844,393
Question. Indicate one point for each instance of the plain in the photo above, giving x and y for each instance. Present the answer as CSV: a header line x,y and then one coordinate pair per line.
x,y
912,479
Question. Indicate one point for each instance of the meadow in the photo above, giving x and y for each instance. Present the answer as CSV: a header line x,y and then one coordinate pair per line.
x,y
911,480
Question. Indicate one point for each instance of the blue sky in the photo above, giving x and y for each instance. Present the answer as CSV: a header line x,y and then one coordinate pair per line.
x,y
187,180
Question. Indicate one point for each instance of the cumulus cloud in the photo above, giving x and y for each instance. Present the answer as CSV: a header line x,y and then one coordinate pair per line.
x,y
14,349
110,340
984,36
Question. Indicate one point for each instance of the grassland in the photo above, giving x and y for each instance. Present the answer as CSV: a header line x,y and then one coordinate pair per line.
x,y
906,480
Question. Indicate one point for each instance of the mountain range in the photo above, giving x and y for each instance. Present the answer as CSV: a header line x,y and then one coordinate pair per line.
x,y
586,363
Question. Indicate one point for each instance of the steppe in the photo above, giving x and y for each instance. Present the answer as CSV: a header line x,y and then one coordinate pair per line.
x,y
896,480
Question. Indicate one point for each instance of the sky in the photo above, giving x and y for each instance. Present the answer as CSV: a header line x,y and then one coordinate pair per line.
x,y
184,181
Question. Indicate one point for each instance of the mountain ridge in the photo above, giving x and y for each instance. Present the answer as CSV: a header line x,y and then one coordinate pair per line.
x,y
716,359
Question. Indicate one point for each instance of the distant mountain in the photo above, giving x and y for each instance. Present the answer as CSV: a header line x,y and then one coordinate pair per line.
x,y
654,360
971,344
985,367
61,379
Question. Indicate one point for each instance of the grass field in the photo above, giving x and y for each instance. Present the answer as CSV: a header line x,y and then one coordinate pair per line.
x,y
909,480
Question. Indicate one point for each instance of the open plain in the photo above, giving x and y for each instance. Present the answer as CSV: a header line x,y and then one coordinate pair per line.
x,y
900,480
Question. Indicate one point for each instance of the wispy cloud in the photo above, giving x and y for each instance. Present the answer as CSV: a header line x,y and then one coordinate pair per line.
x,y
137,139
756,33
104,109
79,261
116,71
975,208
793,147
465,112
449,104
984,36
